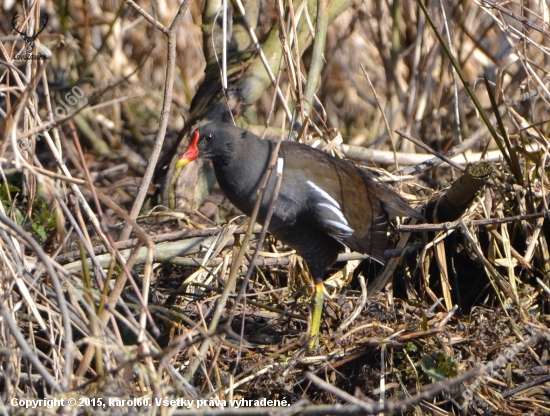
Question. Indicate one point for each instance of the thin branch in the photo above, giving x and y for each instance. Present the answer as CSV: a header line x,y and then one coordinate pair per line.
x,y
263,58
317,56
164,118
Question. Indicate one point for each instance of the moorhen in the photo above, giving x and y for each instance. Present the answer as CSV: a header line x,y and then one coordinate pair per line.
x,y
323,204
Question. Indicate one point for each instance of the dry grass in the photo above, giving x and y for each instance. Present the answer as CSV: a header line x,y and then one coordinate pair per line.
x,y
469,294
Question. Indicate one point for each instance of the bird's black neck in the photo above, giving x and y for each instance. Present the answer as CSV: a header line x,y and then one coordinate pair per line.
x,y
240,177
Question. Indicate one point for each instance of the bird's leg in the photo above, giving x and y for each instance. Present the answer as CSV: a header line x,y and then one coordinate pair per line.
x,y
317,311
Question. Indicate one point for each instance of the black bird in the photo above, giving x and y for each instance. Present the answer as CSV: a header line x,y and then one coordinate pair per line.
x,y
323,204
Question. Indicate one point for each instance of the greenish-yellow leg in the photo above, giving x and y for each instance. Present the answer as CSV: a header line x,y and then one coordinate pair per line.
x,y
317,311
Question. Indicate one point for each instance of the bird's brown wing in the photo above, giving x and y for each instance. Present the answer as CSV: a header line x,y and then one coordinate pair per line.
x,y
346,202
333,190
391,202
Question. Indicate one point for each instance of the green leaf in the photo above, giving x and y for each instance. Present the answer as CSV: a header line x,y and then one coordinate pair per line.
x,y
411,347
438,366
39,229
19,218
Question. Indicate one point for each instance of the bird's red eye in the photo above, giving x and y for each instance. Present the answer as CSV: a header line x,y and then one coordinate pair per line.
x,y
209,138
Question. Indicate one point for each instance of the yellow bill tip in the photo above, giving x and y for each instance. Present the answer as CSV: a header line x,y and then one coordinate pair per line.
x,y
182,162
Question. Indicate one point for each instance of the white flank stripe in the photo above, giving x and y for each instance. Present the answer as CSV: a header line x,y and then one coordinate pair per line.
x,y
340,226
324,194
280,164
336,211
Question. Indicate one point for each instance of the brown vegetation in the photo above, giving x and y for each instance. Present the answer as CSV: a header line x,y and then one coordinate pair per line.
x,y
455,322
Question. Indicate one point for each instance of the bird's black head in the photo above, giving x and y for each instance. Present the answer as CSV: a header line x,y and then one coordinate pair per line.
x,y
213,140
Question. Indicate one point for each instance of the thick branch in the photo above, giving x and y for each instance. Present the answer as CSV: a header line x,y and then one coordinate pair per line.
x,y
454,202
